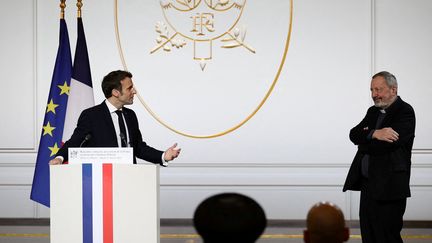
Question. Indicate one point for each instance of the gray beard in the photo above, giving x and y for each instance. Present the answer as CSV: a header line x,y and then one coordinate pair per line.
x,y
383,105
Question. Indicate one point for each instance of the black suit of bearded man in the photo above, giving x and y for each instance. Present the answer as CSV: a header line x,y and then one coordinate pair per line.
x,y
386,187
389,163
97,122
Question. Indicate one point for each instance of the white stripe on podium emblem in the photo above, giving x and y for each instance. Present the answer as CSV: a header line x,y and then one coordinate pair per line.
x,y
97,203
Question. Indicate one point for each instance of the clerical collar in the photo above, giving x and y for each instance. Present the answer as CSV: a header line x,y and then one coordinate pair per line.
x,y
383,111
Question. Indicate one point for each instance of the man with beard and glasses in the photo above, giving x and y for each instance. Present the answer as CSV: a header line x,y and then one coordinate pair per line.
x,y
382,165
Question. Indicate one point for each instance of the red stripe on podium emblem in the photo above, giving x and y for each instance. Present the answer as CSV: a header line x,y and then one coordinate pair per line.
x,y
107,204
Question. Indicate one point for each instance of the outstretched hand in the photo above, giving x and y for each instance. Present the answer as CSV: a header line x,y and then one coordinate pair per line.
x,y
172,153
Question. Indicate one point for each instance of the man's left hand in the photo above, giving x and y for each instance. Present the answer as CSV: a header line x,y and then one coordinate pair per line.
x,y
172,153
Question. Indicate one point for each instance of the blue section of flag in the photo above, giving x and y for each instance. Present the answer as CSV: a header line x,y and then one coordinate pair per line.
x,y
81,66
87,200
51,141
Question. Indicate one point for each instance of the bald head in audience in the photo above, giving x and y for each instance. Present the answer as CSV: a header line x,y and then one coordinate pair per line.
x,y
325,224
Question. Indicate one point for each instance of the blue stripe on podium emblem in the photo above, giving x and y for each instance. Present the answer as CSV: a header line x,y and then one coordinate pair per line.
x,y
87,200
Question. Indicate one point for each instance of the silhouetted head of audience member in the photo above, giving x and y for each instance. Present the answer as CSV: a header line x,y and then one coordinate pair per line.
x,y
325,224
229,218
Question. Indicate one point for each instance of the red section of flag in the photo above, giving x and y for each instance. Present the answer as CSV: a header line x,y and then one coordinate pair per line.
x,y
107,203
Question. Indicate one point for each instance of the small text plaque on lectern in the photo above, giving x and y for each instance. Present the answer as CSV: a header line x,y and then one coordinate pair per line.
x,y
98,155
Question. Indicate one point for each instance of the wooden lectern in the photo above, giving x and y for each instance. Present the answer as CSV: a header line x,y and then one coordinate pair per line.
x,y
102,202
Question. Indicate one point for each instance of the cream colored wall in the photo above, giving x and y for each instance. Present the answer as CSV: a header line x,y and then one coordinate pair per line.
x,y
294,152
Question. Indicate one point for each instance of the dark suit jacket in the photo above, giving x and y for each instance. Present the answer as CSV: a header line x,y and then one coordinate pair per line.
x,y
389,163
97,122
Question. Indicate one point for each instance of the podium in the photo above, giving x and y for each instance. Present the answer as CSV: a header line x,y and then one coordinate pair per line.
x,y
97,202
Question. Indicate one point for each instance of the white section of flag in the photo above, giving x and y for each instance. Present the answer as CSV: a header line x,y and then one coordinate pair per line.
x,y
80,98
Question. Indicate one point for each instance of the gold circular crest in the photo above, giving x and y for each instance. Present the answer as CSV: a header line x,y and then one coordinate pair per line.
x,y
231,35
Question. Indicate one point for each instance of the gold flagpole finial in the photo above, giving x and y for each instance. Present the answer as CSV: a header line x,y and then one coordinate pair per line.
x,y
79,5
62,6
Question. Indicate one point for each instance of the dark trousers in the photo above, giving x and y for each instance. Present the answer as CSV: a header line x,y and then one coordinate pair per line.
x,y
381,221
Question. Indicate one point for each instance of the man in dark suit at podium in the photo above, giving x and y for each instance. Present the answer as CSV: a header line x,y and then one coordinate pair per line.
x,y
382,166
110,124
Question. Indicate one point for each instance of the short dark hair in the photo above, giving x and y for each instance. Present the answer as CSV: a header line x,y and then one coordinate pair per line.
x,y
229,217
112,81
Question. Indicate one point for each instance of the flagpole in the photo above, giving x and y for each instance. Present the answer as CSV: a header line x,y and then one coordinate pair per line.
x,y
62,6
79,5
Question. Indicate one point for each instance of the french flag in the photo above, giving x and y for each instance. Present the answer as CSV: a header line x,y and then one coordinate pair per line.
x,y
81,88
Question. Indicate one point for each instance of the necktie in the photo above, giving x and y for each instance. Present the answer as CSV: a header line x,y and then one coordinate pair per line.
x,y
123,134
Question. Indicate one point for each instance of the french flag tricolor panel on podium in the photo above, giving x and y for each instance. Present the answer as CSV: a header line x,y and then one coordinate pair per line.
x,y
97,220
104,203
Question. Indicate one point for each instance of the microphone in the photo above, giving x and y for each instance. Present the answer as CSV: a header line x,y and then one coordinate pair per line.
x,y
123,138
87,138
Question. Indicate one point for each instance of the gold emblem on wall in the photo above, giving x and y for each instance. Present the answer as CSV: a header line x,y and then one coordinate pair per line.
x,y
163,38
203,24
